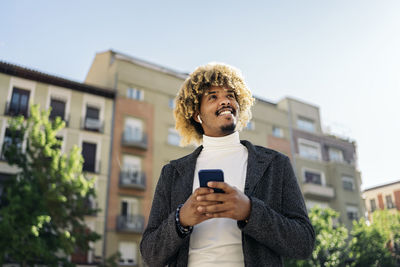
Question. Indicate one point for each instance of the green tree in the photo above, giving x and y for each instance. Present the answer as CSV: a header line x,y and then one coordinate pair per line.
x,y
44,204
376,243
330,241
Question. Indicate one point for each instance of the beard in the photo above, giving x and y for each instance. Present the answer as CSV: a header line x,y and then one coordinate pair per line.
x,y
228,129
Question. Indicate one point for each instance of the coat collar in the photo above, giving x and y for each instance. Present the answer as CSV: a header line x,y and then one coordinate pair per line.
x,y
257,163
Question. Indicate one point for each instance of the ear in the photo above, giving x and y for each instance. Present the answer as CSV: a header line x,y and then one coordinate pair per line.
x,y
196,117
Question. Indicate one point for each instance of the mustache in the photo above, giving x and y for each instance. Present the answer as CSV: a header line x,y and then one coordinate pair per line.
x,y
224,108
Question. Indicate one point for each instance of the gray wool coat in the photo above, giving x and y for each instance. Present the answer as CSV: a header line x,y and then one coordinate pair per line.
x,y
278,225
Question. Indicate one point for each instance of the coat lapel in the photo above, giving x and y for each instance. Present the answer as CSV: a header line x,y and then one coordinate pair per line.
x,y
185,168
257,164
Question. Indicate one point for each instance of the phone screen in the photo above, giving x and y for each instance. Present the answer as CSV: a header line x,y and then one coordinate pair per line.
x,y
211,175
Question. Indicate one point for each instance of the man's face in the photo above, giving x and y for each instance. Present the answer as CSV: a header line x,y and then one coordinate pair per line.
x,y
218,111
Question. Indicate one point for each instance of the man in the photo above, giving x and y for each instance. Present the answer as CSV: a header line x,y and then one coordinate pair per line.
x,y
260,217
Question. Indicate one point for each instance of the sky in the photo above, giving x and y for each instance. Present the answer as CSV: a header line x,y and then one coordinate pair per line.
x,y
342,56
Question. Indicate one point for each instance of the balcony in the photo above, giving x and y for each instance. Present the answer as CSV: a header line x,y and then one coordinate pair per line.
x,y
317,190
15,110
132,179
134,141
92,124
130,223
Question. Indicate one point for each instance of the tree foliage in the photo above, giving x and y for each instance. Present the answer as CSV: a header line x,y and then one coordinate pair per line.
x,y
330,241
376,243
44,204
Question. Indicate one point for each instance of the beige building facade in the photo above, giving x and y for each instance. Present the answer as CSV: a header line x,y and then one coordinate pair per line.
x,y
386,196
325,165
87,111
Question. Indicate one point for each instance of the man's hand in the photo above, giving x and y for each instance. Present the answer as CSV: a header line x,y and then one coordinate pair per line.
x,y
232,204
189,214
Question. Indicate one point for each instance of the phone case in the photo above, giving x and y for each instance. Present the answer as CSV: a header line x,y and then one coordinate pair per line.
x,y
211,175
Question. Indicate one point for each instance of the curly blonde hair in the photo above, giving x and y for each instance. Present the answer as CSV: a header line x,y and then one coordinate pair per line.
x,y
187,101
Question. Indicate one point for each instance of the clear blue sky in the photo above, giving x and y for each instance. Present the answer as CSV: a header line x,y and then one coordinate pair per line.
x,y
343,56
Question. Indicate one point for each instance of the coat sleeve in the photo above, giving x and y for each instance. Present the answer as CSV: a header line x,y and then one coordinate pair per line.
x,y
160,242
288,232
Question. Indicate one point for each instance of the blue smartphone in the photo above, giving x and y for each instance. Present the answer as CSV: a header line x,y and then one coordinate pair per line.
x,y
211,175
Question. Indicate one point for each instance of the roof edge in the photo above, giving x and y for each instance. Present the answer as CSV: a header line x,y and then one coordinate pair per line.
x,y
150,65
30,74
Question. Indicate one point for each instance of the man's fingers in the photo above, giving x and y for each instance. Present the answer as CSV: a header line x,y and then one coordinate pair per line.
x,y
207,203
202,191
221,185
217,197
212,208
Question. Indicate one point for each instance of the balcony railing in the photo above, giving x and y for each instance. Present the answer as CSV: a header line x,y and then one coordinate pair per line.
x,y
130,223
91,124
11,110
132,179
317,190
133,141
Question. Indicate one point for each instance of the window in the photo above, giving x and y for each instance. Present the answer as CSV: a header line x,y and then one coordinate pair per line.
x,y
372,203
352,212
389,202
135,93
171,103
89,156
129,206
277,132
128,251
306,124
92,121
57,109
8,141
19,102
250,126
131,169
335,154
310,150
348,183
173,137
313,177
133,130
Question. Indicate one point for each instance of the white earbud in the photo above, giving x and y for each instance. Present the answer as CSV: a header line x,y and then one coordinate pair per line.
x,y
198,117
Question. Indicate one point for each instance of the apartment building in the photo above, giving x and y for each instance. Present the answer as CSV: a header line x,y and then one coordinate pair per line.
x,y
325,165
87,111
386,196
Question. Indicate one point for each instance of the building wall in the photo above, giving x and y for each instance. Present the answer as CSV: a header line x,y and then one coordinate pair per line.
x,y
331,193
73,134
379,194
158,88
129,108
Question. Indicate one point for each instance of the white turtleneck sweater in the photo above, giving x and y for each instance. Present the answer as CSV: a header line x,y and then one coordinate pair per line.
x,y
218,242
